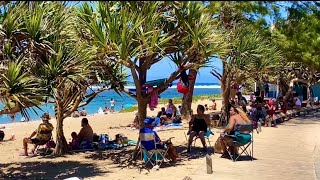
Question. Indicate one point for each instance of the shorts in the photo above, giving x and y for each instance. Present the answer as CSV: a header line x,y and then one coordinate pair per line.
x,y
112,107
169,115
38,141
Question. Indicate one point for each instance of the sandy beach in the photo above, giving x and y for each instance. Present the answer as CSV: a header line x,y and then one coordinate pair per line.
x,y
292,149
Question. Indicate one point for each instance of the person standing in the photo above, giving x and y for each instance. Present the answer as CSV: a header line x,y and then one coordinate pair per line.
x,y
266,89
12,116
112,104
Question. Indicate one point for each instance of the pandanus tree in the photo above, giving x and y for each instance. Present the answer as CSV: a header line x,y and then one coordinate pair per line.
x,y
250,54
202,41
137,35
54,66
18,89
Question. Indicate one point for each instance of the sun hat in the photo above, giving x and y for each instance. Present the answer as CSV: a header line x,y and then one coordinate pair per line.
x,y
148,120
45,116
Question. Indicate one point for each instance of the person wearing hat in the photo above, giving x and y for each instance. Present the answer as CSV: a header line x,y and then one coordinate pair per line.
x,y
149,145
43,134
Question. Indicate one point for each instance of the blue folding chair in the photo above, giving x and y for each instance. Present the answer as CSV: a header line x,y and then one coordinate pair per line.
x,y
154,156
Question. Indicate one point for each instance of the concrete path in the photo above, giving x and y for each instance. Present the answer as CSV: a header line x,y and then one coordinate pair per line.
x,y
290,152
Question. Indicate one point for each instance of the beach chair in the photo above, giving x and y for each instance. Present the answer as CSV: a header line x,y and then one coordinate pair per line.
x,y
244,148
206,136
44,146
155,156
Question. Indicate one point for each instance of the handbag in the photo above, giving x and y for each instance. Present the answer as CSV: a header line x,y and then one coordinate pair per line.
x,y
218,146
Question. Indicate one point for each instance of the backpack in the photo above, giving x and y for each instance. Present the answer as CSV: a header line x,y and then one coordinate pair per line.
x,y
1,135
103,138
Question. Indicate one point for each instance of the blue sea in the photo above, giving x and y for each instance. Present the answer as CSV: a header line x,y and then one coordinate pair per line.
x,y
125,100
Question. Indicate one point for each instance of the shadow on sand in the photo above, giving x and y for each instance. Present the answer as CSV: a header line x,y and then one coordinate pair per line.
x,y
48,170
124,158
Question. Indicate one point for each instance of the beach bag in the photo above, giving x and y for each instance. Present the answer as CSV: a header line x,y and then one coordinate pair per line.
x,y
51,144
1,135
103,138
181,88
218,146
121,139
177,119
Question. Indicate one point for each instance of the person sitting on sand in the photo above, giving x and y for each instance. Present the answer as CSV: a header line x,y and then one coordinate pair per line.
x,y
85,136
206,107
171,109
178,112
75,114
162,115
149,145
106,109
135,123
43,134
198,126
74,144
83,112
214,105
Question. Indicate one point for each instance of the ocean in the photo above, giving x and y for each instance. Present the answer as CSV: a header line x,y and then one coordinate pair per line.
x,y
125,100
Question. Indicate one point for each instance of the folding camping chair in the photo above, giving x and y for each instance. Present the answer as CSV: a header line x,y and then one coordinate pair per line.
x,y
245,148
44,146
206,137
155,156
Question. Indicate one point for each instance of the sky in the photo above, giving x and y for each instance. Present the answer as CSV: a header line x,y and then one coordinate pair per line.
x,y
165,67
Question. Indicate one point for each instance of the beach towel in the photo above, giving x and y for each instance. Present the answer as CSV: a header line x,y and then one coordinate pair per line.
x,y
114,145
174,125
169,126
86,145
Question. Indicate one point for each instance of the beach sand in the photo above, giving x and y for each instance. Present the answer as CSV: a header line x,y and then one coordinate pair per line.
x,y
80,164
289,149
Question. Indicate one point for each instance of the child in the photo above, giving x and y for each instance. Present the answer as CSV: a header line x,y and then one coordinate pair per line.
x,y
270,112
206,107
214,105
178,112
75,142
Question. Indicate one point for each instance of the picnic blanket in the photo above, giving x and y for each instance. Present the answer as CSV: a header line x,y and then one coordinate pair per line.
x,y
114,145
169,126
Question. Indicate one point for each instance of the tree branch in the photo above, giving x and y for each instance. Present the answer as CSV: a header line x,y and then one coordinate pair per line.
x,y
216,74
171,78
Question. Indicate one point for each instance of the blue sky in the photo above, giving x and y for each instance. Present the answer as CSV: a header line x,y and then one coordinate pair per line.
x,y
164,68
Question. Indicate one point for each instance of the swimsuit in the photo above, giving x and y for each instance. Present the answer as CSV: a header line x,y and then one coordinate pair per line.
x,y
199,125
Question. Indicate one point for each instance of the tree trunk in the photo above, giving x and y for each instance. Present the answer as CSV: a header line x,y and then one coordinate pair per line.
x,y
283,86
225,90
291,85
308,92
61,142
142,110
187,99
